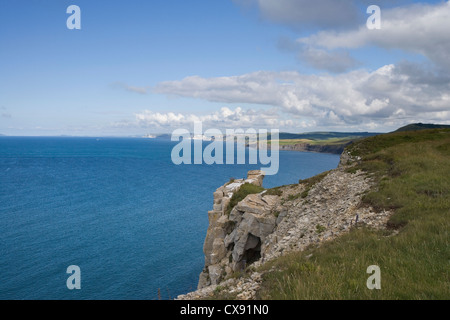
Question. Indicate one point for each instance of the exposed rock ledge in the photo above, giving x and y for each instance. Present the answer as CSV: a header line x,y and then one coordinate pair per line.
x,y
262,227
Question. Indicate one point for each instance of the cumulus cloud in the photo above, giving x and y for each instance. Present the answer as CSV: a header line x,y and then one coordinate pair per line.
x,y
419,28
389,96
223,118
254,87
323,13
335,62
390,92
301,14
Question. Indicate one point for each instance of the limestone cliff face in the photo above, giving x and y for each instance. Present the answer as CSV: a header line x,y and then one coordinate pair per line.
x,y
230,238
267,225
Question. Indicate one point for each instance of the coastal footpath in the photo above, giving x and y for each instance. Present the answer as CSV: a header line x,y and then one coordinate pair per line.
x,y
271,223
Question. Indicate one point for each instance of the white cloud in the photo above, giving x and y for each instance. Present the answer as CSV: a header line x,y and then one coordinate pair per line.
x,y
324,13
390,96
223,118
418,28
254,87
301,14
335,62
359,96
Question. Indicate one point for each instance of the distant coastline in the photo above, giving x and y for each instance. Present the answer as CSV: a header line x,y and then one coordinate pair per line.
x,y
305,147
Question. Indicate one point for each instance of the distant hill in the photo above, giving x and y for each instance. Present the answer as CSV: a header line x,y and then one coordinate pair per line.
x,y
325,135
309,135
328,142
422,126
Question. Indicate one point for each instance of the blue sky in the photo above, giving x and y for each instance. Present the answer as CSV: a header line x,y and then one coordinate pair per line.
x,y
137,67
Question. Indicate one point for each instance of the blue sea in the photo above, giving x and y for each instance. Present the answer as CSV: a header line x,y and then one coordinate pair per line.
x,y
118,208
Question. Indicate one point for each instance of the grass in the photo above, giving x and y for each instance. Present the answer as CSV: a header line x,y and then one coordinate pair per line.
x,y
320,228
333,141
274,191
412,170
292,141
240,195
230,181
313,180
293,197
320,142
309,183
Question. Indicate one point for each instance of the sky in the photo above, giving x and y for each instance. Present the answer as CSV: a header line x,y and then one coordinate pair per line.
x,y
139,67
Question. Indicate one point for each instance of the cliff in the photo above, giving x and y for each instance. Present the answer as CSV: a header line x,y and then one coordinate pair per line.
x,y
268,224
325,148
278,240
225,241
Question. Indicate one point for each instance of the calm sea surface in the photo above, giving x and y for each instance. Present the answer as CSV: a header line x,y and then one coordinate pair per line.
x,y
118,208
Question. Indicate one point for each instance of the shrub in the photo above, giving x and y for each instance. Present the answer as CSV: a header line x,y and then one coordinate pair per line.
x,y
274,192
240,195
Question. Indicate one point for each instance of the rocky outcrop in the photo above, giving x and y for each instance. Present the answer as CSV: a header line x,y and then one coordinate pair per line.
x,y
228,234
267,225
255,221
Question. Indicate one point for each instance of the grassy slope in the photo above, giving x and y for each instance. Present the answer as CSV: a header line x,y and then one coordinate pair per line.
x,y
240,195
322,138
422,126
413,174
324,135
323,142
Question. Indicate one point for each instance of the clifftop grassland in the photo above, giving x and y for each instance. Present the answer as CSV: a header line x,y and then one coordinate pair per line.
x,y
412,174
327,142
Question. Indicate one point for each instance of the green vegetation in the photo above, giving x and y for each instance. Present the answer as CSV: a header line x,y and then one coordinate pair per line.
x,y
274,191
309,183
351,170
320,228
230,181
322,138
220,293
412,170
293,197
325,135
331,142
422,126
321,142
240,195
305,193
313,180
